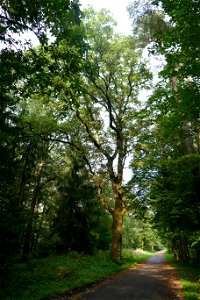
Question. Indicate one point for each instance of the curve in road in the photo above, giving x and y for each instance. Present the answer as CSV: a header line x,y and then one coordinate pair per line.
x,y
153,280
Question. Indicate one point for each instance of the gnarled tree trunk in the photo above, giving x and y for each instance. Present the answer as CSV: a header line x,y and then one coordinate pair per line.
x,y
116,246
118,214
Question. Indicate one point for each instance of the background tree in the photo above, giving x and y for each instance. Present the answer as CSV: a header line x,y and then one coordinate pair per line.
x,y
139,233
171,147
22,16
22,151
80,217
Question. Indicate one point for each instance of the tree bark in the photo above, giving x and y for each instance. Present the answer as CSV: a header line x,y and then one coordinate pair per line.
x,y
27,245
189,145
188,139
26,249
175,250
184,250
118,214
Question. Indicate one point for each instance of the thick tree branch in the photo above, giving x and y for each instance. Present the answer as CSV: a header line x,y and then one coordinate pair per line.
x,y
20,24
78,148
90,135
102,198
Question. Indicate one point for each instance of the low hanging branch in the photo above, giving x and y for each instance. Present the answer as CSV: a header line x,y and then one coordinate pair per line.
x,y
93,140
100,185
78,148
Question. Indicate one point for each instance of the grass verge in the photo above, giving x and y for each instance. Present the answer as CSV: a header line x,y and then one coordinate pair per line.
x,y
189,275
46,277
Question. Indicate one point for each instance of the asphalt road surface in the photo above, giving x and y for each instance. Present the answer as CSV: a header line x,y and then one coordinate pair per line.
x,y
153,280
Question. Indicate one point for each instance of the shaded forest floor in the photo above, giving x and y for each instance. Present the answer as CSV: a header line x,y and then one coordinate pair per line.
x,y
154,279
44,278
75,274
189,275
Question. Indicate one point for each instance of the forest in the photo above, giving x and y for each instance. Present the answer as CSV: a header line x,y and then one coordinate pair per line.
x,y
81,108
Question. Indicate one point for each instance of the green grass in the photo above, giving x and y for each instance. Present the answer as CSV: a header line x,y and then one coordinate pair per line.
x,y
189,275
46,277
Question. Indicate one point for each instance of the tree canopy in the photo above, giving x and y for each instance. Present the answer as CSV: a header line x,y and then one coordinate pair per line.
x,y
71,116
171,148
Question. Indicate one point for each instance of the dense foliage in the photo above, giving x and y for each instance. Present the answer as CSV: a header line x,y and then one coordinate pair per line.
x,y
70,116
26,166
170,149
63,275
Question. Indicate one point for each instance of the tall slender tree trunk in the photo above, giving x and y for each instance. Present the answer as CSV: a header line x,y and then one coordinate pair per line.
x,y
24,175
189,145
185,251
26,249
34,246
27,245
188,138
175,250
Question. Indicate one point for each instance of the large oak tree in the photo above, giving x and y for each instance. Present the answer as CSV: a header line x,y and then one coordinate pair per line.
x,y
105,109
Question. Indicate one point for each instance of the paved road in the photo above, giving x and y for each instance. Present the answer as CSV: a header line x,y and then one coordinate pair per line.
x,y
153,280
